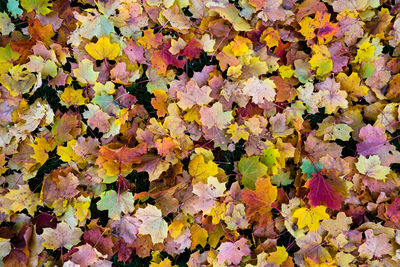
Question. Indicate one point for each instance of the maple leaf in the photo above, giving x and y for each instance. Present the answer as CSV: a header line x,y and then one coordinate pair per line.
x,y
271,37
59,185
40,6
153,165
321,60
150,40
337,226
85,73
103,48
260,90
375,246
22,198
199,236
365,52
323,192
215,116
373,139
351,84
259,200
207,194
73,97
63,236
116,204
194,95
392,210
233,252
310,217
85,256
160,102
152,223
116,159
95,238
238,132
279,256
201,170
235,218
331,96
6,26
251,169
372,167
127,227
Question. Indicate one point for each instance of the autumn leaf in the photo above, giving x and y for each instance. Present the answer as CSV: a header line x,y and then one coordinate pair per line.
x,y
375,245
152,223
372,167
323,192
201,170
310,217
321,60
259,200
259,90
103,48
116,204
215,116
233,252
40,6
63,236
85,72
251,169
279,256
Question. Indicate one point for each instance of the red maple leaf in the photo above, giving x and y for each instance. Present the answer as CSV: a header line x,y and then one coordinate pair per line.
x,y
321,190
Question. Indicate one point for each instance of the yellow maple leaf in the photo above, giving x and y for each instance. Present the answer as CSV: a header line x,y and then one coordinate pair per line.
x,y
279,256
103,48
351,84
321,60
286,71
165,263
72,97
82,206
41,148
308,26
365,52
271,37
199,236
175,229
372,167
23,198
239,46
238,132
67,154
310,217
201,170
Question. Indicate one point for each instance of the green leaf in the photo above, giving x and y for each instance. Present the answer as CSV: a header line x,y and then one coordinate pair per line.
x,y
281,179
270,157
308,168
251,169
103,100
367,69
115,205
13,8
40,6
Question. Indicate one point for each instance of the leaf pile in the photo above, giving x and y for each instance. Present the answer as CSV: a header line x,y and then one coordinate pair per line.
x,y
199,133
